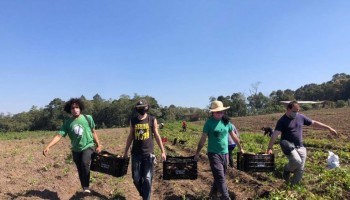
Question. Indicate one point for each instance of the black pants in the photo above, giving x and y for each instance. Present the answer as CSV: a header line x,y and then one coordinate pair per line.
x,y
230,156
82,160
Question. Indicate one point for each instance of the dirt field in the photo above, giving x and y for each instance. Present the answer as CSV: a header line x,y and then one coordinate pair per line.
x,y
27,174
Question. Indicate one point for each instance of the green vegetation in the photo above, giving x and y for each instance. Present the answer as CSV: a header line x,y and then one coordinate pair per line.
x,y
318,182
25,135
116,113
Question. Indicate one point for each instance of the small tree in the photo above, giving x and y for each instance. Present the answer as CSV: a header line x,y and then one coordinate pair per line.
x,y
340,104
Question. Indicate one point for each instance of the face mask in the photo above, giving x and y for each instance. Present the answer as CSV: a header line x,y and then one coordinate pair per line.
x,y
293,115
141,111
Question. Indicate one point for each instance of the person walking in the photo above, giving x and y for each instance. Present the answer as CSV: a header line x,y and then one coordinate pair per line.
x,y
143,129
290,126
231,146
184,126
216,129
267,131
81,131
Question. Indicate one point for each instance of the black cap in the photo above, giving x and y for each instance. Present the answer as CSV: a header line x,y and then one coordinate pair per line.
x,y
141,103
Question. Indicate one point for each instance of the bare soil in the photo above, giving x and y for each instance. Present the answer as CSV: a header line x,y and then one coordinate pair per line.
x,y
27,174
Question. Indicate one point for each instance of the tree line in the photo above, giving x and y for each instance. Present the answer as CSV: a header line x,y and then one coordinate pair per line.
x,y
117,112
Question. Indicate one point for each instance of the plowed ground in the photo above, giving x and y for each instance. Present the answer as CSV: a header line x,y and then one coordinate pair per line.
x,y
27,174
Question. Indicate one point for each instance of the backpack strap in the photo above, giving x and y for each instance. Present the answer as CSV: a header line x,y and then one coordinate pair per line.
x,y
87,119
151,123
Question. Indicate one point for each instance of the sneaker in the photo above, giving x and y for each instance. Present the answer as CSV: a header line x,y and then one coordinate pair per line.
x,y
86,190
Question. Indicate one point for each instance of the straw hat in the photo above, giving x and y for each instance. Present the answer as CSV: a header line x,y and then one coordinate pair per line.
x,y
217,106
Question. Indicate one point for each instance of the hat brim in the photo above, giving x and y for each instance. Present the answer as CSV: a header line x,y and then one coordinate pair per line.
x,y
141,106
219,109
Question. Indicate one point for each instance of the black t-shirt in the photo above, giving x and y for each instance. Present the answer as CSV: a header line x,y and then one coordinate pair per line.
x,y
143,135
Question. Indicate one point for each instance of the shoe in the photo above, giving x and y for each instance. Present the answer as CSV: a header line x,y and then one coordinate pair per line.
x,y
86,190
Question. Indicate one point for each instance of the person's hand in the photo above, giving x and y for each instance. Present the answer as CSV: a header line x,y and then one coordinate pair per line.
x,y
242,151
46,151
163,157
269,151
333,131
196,157
99,149
125,156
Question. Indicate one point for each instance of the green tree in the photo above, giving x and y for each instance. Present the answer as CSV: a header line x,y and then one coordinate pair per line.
x,y
238,106
257,103
54,114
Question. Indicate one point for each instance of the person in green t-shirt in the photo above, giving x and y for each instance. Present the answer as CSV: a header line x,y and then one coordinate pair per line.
x,y
216,129
81,131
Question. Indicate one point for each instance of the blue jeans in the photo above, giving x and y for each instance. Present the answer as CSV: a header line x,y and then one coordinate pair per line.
x,y
231,147
142,174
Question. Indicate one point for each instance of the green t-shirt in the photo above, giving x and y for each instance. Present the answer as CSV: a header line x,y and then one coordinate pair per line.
x,y
79,132
217,133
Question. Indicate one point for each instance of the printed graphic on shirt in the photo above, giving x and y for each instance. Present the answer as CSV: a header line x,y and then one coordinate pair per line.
x,y
218,132
142,131
78,130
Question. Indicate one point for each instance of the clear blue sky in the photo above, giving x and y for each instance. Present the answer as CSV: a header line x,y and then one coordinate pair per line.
x,y
180,52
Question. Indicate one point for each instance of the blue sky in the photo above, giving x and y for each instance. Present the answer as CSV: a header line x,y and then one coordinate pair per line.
x,y
180,52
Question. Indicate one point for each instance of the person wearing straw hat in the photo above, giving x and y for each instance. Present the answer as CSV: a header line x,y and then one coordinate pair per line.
x,y
216,129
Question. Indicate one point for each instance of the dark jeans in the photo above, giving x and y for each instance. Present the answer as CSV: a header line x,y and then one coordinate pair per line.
x,y
218,165
82,160
230,156
142,174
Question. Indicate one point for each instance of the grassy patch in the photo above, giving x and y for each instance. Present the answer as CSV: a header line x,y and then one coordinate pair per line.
x,y
318,182
25,135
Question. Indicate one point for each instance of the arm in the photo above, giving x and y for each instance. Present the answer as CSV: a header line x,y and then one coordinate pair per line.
x,y
129,141
272,141
159,140
200,145
53,142
236,140
236,132
324,126
97,141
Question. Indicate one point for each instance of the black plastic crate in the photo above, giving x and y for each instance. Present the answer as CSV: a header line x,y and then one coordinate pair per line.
x,y
255,162
180,168
109,163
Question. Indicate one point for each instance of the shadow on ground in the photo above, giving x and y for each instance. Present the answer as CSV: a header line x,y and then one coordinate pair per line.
x,y
45,194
